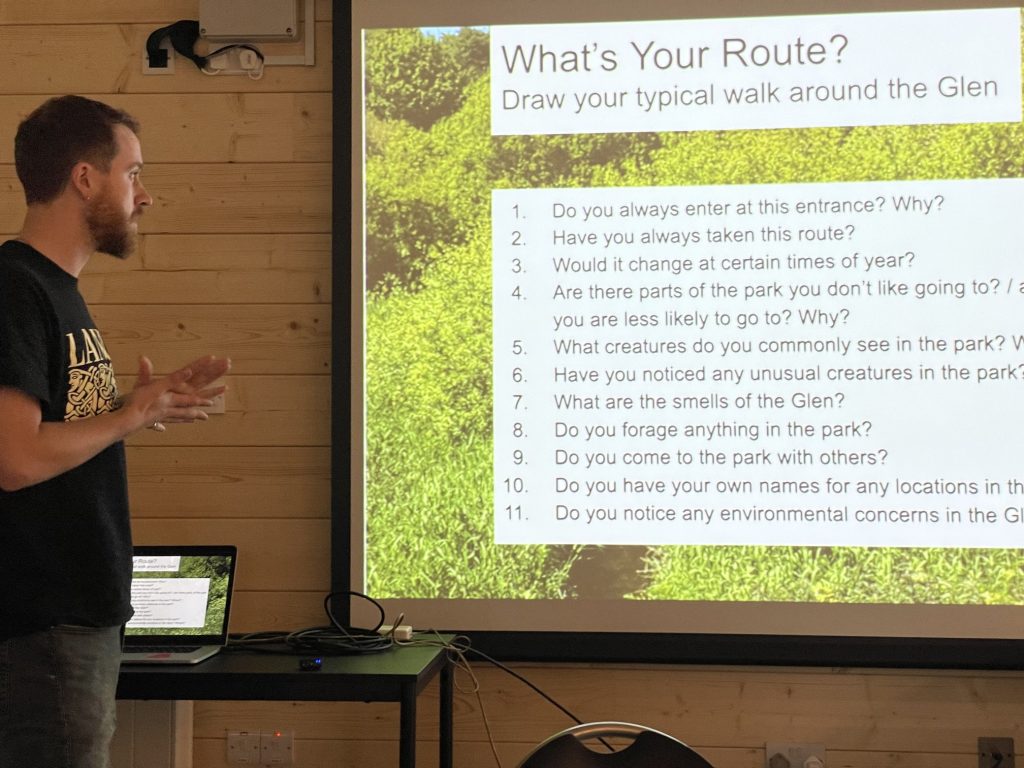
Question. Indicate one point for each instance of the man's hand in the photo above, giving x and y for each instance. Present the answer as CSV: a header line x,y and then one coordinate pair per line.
x,y
179,397
32,451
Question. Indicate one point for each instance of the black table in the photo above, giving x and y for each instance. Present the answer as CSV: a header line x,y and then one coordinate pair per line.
x,y
398,674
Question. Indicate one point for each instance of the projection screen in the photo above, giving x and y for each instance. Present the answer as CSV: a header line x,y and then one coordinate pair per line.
x,y
683,332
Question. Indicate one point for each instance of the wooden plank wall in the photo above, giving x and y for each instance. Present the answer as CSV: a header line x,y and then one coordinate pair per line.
x,y
235,258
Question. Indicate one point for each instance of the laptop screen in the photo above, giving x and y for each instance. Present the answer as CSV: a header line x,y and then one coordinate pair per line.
x,y
181,594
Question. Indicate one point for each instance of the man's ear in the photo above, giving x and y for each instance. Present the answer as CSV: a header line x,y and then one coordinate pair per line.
x,y
84,180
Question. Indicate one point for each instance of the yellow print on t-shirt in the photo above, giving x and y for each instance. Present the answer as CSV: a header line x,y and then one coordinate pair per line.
x,y
92,388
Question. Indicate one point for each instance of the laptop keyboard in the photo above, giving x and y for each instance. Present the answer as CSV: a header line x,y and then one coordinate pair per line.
x,y
162,648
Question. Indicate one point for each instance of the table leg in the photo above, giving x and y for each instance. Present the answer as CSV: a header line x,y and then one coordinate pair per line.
x,y
407,735
447,730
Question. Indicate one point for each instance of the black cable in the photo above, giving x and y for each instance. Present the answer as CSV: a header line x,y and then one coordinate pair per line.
x,y
468,648
183,35
335,623
461,644
244,46
335,639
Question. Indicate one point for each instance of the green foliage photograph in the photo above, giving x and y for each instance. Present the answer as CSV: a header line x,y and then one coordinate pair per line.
x,y
431,165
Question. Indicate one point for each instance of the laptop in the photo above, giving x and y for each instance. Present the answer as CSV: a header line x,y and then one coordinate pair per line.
x,y
182,601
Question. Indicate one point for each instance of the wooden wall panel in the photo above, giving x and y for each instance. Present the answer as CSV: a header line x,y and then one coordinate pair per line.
x,y
226,253
210,127
279,555
215,269
730,706
239,198
270,411
158,12
246,484
210,753
892,719
206,286
107,59
256,611
259,338
216,198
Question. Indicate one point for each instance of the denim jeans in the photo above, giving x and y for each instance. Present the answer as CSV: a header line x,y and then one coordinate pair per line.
x,y
57,697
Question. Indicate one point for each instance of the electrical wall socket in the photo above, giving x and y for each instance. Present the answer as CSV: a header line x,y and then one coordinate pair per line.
x,y
244,747
276,747
995,752
165,45
778,754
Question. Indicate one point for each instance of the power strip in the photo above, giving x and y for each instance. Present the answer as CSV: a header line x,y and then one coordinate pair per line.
x,y
401,632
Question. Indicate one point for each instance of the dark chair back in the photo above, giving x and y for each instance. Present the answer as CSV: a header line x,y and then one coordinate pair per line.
x,y
648,749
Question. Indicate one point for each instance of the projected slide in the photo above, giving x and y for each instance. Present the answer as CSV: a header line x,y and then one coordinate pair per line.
x,y
703,310
664,385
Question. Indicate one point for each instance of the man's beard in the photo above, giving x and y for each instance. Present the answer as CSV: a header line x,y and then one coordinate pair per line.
x,y
110,229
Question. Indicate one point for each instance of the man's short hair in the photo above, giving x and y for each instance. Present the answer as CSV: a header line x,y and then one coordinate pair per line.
x,y
61,132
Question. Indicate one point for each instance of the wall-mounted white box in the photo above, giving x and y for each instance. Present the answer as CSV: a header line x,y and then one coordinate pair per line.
x,y
239,21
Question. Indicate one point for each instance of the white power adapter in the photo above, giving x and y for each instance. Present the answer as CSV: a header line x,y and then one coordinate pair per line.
x,y
401,632
235,61
248,60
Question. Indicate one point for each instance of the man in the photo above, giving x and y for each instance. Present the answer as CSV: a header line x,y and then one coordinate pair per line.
x,y
65,543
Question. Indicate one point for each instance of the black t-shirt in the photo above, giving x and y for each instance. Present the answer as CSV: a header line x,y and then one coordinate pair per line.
x,y
65,544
